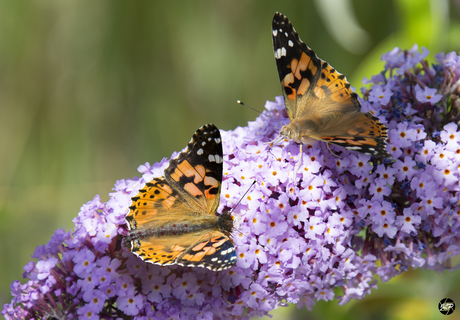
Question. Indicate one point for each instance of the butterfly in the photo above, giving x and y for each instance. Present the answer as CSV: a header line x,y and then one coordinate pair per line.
x,y
172,220
319,101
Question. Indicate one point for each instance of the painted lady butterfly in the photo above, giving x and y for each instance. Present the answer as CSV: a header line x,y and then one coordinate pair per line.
x,y
319,100
172,220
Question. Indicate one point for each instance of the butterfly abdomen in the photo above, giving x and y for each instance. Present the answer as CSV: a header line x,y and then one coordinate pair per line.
x,y
176,229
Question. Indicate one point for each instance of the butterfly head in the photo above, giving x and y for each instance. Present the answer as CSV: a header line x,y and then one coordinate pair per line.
x,y
290,132
225,222
299,130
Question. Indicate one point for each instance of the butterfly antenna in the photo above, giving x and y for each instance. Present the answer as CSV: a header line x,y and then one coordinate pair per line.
x,y
243,104
239,201
236,229
272,143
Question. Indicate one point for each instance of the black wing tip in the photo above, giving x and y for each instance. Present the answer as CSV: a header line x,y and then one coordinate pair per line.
x,y
208,127
279,16
281,23
278,19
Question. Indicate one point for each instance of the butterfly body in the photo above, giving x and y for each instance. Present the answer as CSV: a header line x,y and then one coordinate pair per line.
x,y
319,100
172,220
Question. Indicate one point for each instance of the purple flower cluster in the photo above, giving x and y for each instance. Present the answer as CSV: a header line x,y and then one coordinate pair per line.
x,y
304,230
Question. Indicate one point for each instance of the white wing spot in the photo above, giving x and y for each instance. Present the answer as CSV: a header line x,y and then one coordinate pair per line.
x,y
290,43
217,140
275,32
199,152
218,159
277,54
286,34
209,139
283,51
211,158
214,259
203,143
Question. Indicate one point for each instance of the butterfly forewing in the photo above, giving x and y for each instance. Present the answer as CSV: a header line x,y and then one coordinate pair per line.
x,y
197,172
172,220
319,100
155,205
298,66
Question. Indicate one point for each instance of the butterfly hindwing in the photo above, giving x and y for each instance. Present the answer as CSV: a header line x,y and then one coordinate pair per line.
x,y
214,251
319,100
365,134
172,220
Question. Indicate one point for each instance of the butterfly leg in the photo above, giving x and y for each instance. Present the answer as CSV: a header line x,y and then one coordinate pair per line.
x,y
327,144
272,143
298,162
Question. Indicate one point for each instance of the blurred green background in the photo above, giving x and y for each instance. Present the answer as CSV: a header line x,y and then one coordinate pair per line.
x,y
91,89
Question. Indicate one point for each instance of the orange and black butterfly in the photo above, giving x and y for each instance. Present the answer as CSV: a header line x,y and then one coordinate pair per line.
x,y
319,100
172,220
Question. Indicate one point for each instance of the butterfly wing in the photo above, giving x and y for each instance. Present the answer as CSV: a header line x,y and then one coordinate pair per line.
x,y
196,174
356,131
156,204
214,251
156,211
172,219
319,100
298,66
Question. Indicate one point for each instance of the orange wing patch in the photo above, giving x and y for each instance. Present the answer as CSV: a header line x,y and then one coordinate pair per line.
x,y
340,90
154,252
186,169
155,197
296,80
